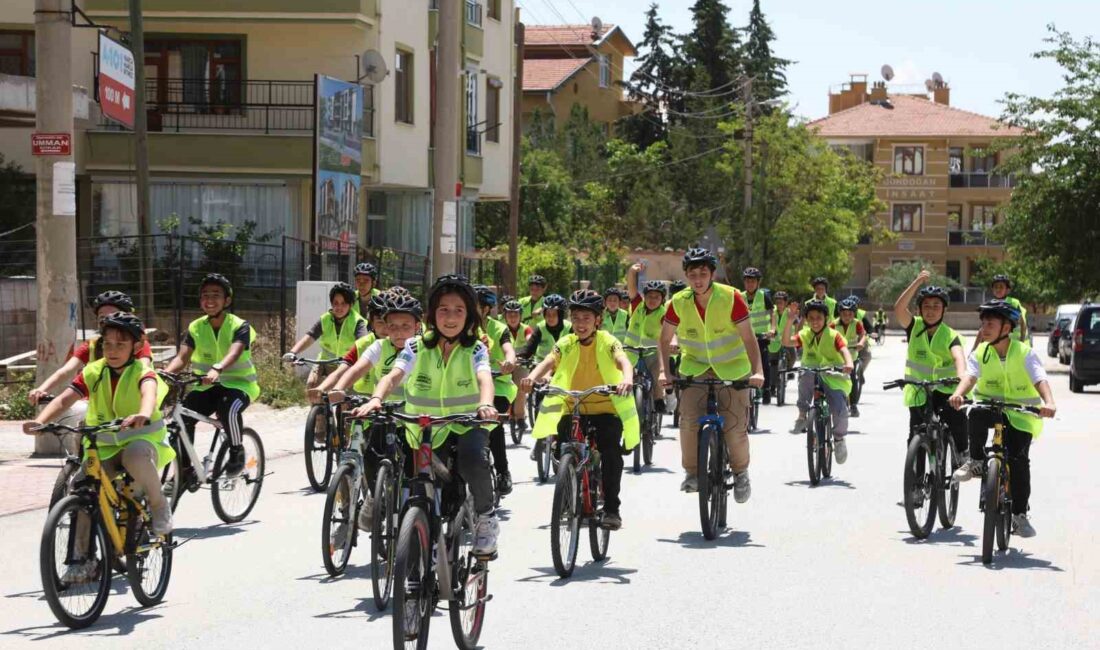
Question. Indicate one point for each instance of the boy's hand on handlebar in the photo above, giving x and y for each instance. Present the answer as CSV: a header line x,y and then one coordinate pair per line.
x,y
487,412
1047,410
211,377
624,388
956,401
36,395
372,405
506,367
663,380
336,396
848,367
756,380
314,395
134,421
289,357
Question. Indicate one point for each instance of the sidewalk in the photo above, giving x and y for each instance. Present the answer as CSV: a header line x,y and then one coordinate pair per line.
x,y
25,481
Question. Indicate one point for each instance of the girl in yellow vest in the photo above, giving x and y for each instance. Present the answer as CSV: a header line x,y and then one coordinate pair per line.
x,y
366,287
592,357
520,333
854,335
219,347
822,347
377,331
446,371
547,331
762,315
533,303
615,317
337,330
1005,369
121,386
502,356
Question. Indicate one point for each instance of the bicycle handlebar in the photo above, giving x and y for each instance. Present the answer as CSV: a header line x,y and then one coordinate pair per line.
x,y
179,380
994,406
640,349
822,371
579,395
60,429
299,361
739,384
898,383
389,411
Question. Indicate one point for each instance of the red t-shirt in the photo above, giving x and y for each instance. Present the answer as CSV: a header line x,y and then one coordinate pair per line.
x,y
740,311
635,301
352,356
82,352
839,342
79,386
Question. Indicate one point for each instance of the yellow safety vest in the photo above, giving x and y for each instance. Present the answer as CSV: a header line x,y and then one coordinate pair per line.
x,y
715,344
438,387
1008,381
105,406
210,350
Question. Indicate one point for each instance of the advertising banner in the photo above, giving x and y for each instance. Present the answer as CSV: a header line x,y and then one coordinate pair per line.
x,y
338,162
116,81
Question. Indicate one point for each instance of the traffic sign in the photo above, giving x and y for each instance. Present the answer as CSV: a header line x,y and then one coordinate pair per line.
x,y
51,144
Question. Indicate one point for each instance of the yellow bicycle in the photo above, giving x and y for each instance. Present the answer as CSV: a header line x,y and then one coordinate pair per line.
x,y
102,526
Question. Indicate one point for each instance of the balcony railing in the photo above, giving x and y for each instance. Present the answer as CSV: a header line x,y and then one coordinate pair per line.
x,y
970,238
473,13
982,179
217,105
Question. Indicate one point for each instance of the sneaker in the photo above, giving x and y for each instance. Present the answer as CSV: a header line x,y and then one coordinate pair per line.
x,y
79,572
767,396
611,521
1022,527
522,424
504,483
659,405
365,520
853,412
972,469
486,531
689,484
190,480
536,450
162,519
840,450
742,488
800,423
235,463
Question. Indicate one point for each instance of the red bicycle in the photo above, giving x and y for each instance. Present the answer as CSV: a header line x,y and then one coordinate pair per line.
x,y
578,494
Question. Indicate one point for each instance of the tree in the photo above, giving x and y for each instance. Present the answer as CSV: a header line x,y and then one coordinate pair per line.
x,y
546,195
650,83
712,47
580,144
888,285
1052,222
766,69
17,216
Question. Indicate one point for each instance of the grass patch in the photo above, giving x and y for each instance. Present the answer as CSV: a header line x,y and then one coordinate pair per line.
x,y
280,386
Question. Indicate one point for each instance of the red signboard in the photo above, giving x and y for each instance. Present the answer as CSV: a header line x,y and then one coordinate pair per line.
x,y
116,81
51,144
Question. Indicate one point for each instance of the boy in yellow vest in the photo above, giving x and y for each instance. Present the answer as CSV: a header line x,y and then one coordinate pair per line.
x,y
219,347
502,356
533,303
586,358
710,320
366,287
855,335
337,330
644,330
1005,369
615,317
763,319
520,333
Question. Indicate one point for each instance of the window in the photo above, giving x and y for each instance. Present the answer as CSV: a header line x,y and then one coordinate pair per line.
x,y
605,71
982,217
17,53
191,71
954,270
492,110
955,160
907,217
983,164
403,87
473,13
493,9
909,161
954,217
473,138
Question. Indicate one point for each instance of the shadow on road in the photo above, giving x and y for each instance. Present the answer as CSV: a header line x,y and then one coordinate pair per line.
x,y
354,571
301,492
212,532
945,536
825,482
1011,559
651,469
364,608
122,624
588,572
695,540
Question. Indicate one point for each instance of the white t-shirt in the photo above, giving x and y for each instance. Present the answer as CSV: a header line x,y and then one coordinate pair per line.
x,y
406,361
373,353
1032,362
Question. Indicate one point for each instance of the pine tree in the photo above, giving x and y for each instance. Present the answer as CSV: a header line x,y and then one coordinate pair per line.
x,y
766,69
651,83
712,46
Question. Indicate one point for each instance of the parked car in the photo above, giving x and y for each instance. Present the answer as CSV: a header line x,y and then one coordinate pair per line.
x,y
1056,334
1065,344
1084,364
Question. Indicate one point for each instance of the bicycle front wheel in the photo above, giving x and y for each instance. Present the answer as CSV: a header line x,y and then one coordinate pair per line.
x,y
781,380
598,536
546,460
948,499
565,522
710,474
339,521
78,599
413,582
318,451
991,502
235,496
382,533
812,455
920,488
824,445
469,580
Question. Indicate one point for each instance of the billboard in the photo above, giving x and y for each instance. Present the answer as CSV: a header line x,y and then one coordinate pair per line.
x,y
338,162
116,81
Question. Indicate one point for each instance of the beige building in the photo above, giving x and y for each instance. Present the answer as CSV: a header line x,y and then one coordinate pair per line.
x,y
941,197
230,96
565,65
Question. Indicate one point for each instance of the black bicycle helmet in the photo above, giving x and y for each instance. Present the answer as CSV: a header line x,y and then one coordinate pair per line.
x,y
820,280
847,305
752,272
611,291
366,268
405,305
342,289
781,295
676,286
655,285
586,299
536,279
1001,277
399,290
513,305
114,299
933,291
553,301
379,304
1002,309
699,257
125,321
815,305
506,298
485,295
218,279
461,282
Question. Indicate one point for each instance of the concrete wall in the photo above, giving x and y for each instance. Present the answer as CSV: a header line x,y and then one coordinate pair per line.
x,y
498,62
403,148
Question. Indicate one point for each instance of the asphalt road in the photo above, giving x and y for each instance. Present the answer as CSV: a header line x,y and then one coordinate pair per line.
x,y
800,567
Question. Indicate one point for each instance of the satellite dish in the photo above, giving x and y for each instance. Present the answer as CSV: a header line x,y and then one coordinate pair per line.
x,y
929,85
887,72
597,26
938,78
373,67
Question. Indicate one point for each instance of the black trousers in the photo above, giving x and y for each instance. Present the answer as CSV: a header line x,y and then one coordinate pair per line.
x,y
955,420
609,433
497,444
227,403
1017,445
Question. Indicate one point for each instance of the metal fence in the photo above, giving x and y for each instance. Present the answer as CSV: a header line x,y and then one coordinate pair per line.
x,y
487,271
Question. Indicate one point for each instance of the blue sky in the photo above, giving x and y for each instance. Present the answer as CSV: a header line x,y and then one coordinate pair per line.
x,y
982,48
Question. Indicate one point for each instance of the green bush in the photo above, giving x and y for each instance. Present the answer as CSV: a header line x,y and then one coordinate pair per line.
x,y
280,387
13,402
550,260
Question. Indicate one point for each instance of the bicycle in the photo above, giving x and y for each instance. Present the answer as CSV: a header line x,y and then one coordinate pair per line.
x,y
857,379
321,455
995,500
819,433
514,424
233,497
780,374
434,556
712,457
119,538
926,481
62,485
880,333
346,494
648,417
578,493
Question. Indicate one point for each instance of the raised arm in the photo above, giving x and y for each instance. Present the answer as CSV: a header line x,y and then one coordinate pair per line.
x,y
901,305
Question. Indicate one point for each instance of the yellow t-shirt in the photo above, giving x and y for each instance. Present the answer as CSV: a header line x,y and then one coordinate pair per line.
x,y
586,376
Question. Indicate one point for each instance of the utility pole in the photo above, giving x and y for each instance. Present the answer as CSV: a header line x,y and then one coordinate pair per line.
x,y
55,271
517,136
141,162
747,207
447,131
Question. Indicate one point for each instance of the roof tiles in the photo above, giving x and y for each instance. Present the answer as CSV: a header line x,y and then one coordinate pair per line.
x,y
910,116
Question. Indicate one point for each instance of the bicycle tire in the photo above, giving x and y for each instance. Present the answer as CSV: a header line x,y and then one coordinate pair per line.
x,y
857,382
920,488
413,560
564,509
339,510
515,431
63,515
141,565
63,483
781,380
948,499
318,456
1004,523
382,535
598,537
649,441
825,446
642,404
251,477
469,580
812,456
991,506
707,457
546,460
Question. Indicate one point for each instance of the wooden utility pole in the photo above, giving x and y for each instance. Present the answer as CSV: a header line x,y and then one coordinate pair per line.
x,y
517,136
141,163
55,245
447,131
747,207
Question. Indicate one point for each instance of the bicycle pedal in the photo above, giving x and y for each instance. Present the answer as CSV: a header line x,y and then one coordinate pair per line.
x,y
485,558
